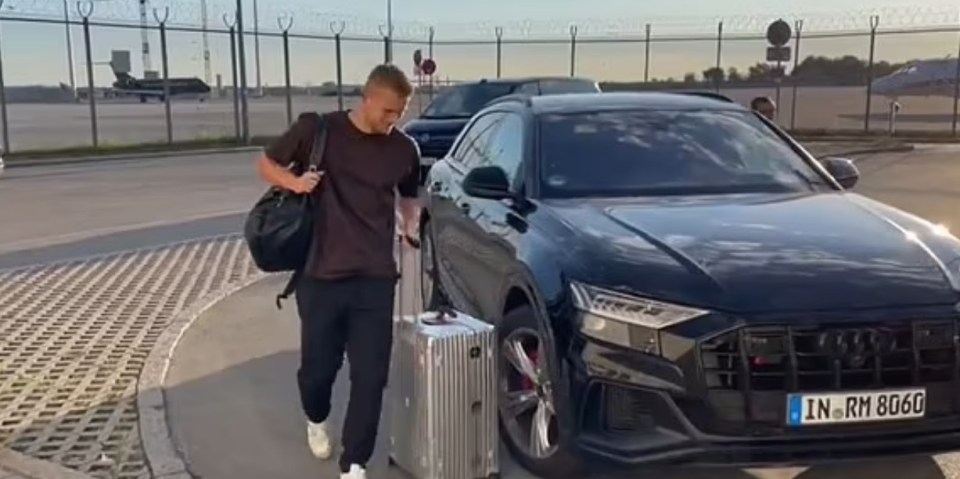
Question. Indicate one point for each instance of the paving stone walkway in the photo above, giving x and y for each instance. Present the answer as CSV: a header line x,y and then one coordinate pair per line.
x,y
76,336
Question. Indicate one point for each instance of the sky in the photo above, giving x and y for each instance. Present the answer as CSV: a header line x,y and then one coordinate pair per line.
x,y
35,53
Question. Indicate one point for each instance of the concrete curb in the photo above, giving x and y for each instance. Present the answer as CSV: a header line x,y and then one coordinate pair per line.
x,y
161,454
26,162
879,149
33,468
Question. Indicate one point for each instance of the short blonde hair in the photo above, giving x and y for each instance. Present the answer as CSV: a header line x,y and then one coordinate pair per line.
x,y
391,77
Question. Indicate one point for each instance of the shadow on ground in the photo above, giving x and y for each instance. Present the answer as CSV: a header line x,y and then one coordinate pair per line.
x,y
234,409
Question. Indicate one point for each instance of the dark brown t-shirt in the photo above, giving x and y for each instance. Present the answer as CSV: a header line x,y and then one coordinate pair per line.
x,y
355,223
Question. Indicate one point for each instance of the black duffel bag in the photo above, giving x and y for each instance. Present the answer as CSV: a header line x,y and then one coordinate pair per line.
x,y
279,228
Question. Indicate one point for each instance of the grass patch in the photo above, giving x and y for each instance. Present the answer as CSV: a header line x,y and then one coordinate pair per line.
x,y
109,149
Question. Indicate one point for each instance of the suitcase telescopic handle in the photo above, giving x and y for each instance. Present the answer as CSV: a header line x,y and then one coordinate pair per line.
x,y
442,312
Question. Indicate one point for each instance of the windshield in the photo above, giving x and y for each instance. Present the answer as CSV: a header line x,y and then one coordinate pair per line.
x,y
465,100
626,153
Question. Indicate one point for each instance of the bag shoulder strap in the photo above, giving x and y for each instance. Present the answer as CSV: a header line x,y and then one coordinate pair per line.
x,y
319,143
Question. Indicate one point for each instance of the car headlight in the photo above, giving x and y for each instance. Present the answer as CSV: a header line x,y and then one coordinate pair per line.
x,y
626,320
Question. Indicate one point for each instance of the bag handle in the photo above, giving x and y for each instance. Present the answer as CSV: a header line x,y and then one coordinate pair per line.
x,y
435,318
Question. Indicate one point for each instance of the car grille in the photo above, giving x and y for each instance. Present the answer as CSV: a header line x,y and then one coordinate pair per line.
x,y
833,358
748,372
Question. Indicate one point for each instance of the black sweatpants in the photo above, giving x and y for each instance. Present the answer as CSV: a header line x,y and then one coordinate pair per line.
x,y
354,316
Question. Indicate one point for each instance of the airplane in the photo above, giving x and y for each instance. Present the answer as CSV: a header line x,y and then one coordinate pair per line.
x,y
146,88
935,77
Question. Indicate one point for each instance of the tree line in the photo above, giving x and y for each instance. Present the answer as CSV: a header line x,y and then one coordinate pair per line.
x,y
812,70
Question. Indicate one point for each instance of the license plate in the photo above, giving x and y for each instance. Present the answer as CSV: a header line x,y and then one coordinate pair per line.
x,y
854,407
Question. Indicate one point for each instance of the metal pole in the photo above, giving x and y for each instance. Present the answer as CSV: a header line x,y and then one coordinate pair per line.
x,y
337,29
719,78
166,70
91,91
778,79
256,45
236,83
573,50
796,63
3,101
286,64
389,31
242,56
70,60
646,57
431,33
499,33
874,23
956,93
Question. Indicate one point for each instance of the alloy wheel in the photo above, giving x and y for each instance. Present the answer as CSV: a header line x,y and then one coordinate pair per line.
x,y
526,402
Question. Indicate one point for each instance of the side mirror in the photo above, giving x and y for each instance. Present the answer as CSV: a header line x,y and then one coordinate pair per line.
x,y
843,170
488,182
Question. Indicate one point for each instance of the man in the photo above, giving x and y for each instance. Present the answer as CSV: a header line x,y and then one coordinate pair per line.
x,y
765,106
345,299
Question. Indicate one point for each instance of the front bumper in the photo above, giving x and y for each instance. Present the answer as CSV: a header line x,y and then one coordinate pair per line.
x,y
634,409
667,437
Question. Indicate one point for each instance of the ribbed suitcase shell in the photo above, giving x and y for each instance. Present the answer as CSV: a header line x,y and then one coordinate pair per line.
x,y
443,398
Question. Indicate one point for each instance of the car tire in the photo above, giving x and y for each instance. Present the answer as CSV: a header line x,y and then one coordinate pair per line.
x,y
431,292
520,327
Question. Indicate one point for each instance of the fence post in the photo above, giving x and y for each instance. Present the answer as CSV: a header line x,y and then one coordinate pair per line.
x,y
646,56
874,23
798,26
166,69
233,71
3,100
431,32
956,92
337,29
385,33
719,77
499,32
85,9
285,27
573,50
242,68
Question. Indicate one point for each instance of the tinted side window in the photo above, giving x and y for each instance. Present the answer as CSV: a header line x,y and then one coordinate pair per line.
x,y
472,149
464,101
506,147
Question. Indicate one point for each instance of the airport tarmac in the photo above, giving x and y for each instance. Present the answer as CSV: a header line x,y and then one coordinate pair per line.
x,y
45,126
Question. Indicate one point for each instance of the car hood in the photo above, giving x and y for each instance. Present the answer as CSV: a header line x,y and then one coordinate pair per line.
x,y
761,253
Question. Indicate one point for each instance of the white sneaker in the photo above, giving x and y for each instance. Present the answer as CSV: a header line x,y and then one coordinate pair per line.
x,y
318,439
356,472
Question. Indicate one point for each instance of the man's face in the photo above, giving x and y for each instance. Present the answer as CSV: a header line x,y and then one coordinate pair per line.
x,y
767,109
383,108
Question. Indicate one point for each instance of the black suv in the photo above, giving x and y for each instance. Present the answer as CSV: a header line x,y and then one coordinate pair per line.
x,y
441,122
674,279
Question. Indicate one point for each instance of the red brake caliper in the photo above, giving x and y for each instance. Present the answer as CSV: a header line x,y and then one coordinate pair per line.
x,y
526,383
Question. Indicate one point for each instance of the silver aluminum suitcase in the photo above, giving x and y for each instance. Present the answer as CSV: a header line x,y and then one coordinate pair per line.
x,y
442,396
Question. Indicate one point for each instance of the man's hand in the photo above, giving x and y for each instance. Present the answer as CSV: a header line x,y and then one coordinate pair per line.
x,y
305,183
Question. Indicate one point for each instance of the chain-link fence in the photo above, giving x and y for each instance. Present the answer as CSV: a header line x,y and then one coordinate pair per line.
x,y
61,85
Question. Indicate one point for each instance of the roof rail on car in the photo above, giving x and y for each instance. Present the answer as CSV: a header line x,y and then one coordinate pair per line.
x,y
513,97
708,94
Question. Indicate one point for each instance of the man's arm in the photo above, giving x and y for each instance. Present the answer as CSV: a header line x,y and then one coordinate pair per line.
x,y
291,147
409,190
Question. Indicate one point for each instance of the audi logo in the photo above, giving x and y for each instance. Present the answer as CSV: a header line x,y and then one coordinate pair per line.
x,y
857,342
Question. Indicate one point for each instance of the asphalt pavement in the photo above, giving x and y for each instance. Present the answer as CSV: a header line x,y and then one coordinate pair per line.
x,y
232,400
